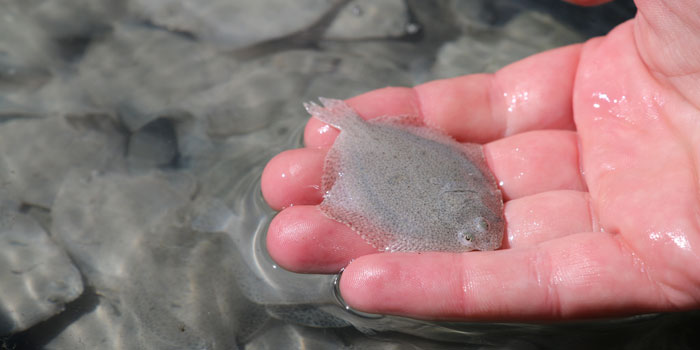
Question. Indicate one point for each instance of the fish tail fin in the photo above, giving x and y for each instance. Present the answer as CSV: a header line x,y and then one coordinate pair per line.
x,y
334,112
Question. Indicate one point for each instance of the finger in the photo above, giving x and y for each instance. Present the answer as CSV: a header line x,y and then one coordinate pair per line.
x,y
524,164
531,94
293,177
579,275
546,216
535,162
302,239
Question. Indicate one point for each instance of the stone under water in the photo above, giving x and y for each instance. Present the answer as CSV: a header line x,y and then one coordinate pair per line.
x,y
38,278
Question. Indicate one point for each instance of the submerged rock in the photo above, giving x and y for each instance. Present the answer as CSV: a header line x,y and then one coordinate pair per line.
x,y
487,50
292,337
257,96
37,276
231,24
307,315
144,73
367,19
130,234
153,146
50,149
26,53
102,219
72,24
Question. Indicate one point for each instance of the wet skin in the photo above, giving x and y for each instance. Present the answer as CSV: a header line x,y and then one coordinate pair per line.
x,y
597,147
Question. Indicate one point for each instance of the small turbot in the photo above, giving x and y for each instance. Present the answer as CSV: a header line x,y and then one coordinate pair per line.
x,y
406,187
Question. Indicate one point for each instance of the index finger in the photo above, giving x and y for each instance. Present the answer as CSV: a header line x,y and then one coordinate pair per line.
x,y
531,94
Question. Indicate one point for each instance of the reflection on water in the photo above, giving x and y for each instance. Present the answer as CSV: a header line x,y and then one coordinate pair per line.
x,y
133,135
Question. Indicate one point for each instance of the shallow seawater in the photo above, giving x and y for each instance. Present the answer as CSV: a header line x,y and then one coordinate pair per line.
x,y
133,136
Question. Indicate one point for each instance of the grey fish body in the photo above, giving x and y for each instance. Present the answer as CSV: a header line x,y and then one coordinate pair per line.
x,y
405,187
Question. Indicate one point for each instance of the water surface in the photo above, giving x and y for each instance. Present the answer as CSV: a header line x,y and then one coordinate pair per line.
x,y
133,136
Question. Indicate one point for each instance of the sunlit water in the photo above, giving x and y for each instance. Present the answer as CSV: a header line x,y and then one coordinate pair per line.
x,y
133,136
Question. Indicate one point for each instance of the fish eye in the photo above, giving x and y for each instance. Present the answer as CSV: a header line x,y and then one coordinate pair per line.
x,y
465,238
481,224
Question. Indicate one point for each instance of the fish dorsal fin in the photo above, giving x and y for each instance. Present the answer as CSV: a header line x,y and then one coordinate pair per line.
x,y
334,112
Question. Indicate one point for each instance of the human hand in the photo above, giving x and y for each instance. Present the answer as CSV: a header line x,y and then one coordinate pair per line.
x,y
597,148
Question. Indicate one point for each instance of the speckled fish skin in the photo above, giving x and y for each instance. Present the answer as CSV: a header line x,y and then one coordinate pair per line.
x,y
406,187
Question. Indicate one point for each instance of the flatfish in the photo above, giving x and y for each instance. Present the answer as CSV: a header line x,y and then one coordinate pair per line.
x,y
406,187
